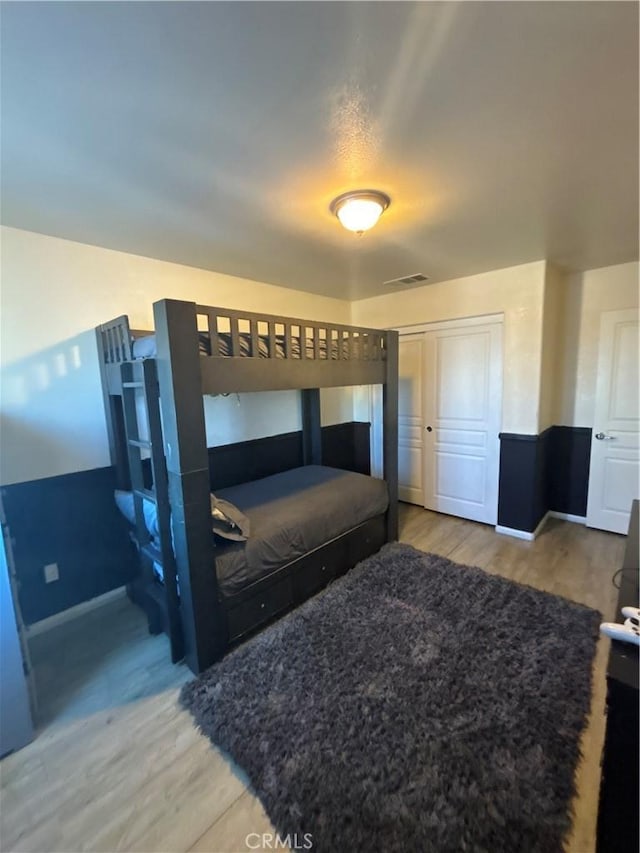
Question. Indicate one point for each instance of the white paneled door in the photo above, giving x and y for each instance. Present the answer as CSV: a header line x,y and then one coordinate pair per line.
x,y
410,425
463,405
615,448
450,406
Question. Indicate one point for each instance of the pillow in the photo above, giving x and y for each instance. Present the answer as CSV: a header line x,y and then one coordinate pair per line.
x,y
227,521
145,347
124,502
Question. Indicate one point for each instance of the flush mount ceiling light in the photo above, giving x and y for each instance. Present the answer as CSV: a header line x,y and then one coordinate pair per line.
x,y
359,210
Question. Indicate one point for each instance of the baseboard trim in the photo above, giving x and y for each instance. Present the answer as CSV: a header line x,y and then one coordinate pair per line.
x,y
71,613
517,534
566,516
527,535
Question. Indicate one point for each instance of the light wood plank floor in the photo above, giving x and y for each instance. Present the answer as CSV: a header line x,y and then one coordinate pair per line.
x,y
118,766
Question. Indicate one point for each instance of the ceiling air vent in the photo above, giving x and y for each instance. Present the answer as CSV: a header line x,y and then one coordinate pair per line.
x,y
408,279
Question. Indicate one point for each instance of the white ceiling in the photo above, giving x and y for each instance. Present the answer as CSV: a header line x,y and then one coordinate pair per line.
x,y
216,134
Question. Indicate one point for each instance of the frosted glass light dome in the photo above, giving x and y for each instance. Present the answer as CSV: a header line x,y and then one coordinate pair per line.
x,y
360,210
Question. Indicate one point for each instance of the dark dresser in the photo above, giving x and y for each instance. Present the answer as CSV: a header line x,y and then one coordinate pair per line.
x,y
618,810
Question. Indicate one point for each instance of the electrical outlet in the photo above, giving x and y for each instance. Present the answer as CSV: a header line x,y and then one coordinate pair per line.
x,y
51,573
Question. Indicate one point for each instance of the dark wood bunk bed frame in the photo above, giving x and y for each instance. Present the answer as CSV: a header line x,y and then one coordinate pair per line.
x,y
202,624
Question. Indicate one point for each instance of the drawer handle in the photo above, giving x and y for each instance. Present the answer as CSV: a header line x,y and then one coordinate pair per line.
x,y
262,606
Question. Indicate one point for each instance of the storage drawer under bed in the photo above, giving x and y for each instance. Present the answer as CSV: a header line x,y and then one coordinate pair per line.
x,y
317,569
297,581
261,607
373,535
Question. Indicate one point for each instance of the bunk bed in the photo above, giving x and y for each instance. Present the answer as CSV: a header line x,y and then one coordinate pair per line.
x,y
212,594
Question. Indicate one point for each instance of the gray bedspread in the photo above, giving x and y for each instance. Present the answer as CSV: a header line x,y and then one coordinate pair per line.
x,y
291,514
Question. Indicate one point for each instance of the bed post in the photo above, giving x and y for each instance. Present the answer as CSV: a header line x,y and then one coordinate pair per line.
x,y
311,426
185,446
390,433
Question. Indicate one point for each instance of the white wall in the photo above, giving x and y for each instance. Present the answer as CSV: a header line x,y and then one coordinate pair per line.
x,y
54,292
241,417
515,292
553,321
588,295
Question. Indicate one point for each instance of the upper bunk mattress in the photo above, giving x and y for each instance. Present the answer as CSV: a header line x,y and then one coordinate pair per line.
x,y
291,514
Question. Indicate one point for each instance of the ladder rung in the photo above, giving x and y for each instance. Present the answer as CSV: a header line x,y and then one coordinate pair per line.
x,y
152,552
146,494
139,442
133,384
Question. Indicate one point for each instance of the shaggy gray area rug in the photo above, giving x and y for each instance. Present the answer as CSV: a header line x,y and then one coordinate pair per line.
x,y
414,705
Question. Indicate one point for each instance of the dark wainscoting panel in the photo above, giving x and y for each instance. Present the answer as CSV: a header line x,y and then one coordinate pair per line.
x,y
541,477
522,489
343,446
569,463
230,464
543,472
71,520
347,446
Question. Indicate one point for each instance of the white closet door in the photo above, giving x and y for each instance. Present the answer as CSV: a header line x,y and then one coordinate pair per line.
x,y
615,448
410,404
462,417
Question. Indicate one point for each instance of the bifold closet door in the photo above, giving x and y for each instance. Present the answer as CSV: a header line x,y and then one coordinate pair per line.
x,y
410,423
462,387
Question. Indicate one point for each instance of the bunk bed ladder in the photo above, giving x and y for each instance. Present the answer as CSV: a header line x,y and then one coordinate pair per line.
x,y
140,377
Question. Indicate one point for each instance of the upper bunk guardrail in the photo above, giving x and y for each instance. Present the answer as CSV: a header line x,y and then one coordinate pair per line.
x,y
247,334
115,336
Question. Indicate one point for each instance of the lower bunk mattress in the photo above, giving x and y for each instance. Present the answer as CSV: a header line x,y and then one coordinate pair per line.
x,y
291,514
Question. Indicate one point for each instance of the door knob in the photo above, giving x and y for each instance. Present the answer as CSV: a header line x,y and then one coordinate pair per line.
x,y
602,437
428,429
